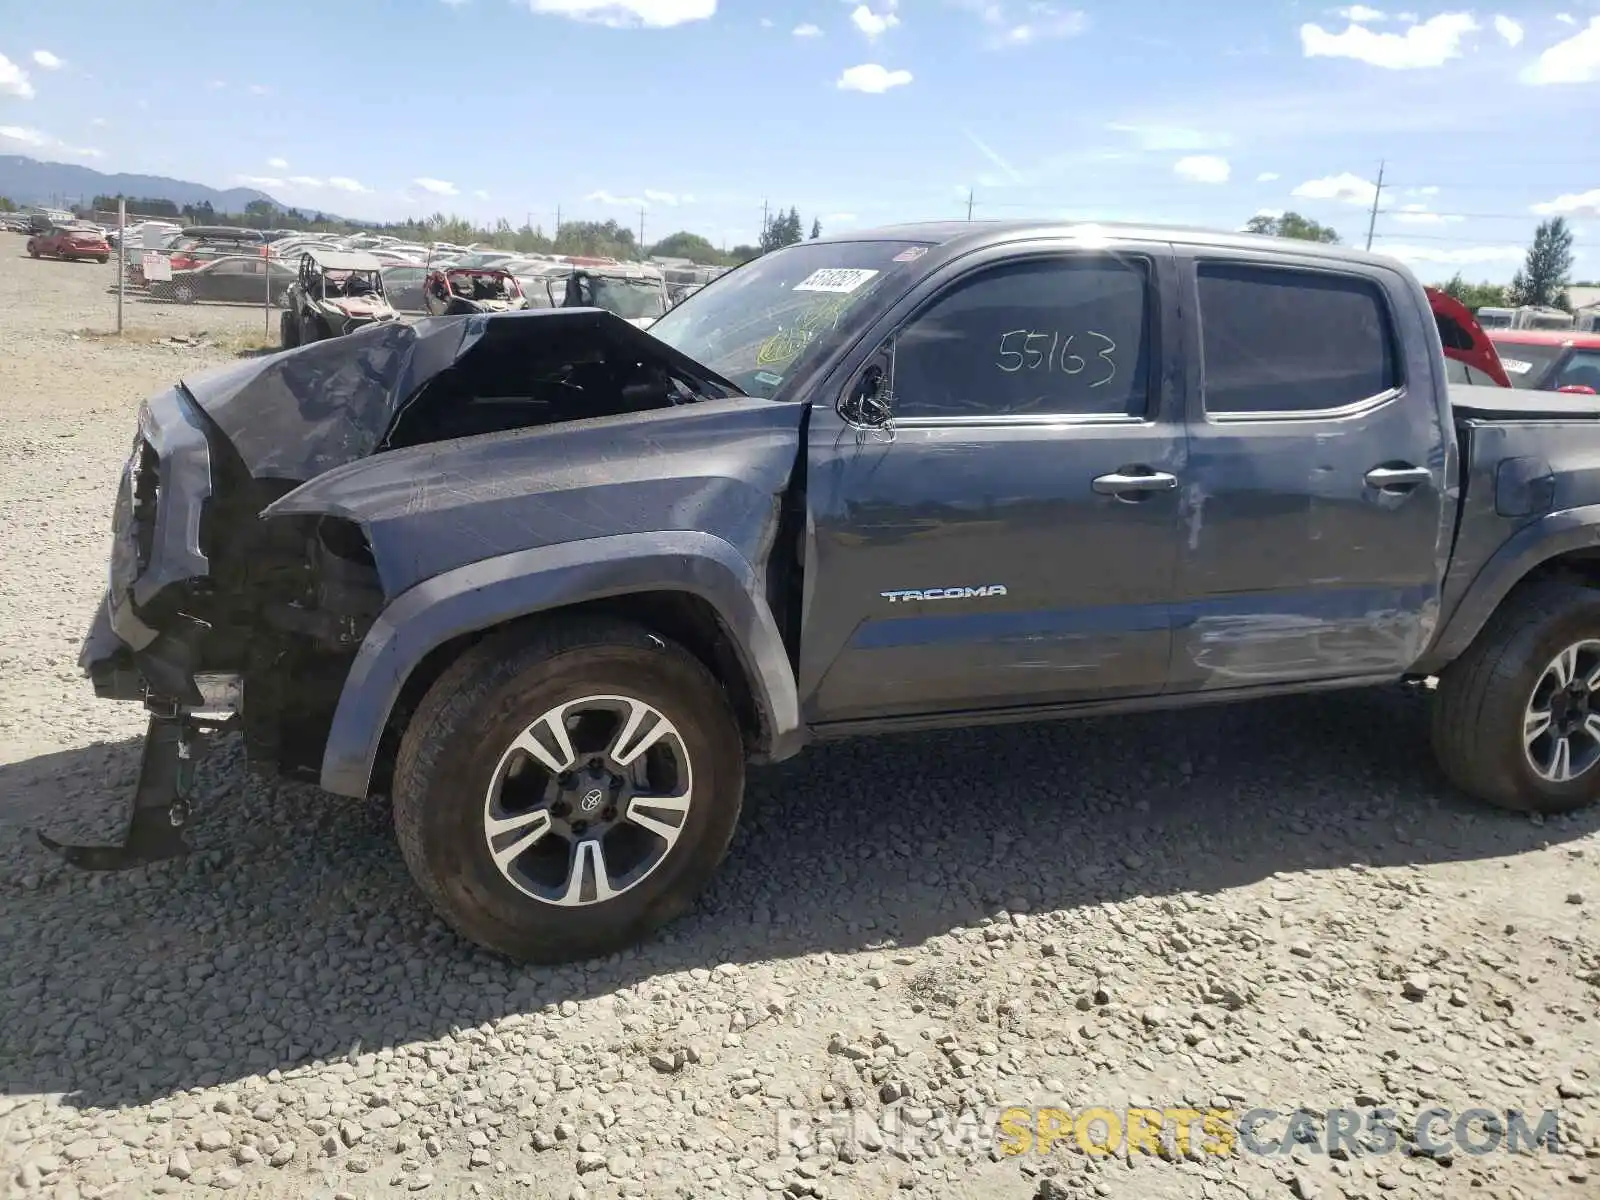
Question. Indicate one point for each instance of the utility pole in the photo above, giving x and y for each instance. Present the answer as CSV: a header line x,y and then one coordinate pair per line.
x,y
763,218
641,228
558,220
969,204
1377,191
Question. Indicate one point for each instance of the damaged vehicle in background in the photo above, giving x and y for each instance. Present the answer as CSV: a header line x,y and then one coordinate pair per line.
x,y
549,582
334,293
636,293
462,291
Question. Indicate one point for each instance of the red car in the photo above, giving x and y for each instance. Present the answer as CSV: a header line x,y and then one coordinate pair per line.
x,y
1550,360
64,242
1470,355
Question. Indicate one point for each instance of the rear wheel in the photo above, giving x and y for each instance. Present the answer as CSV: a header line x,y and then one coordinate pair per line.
x,y
563,796
288,331
1517,717
183,294
310,330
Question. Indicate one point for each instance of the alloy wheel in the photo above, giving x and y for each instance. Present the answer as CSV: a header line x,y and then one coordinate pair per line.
x,y
588,800
1561,724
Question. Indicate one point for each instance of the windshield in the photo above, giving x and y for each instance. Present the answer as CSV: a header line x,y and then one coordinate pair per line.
x,y
1527,365
630,299
751,326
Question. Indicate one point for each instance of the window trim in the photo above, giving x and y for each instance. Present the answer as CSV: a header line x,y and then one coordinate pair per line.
x,y
1152,295
1342,412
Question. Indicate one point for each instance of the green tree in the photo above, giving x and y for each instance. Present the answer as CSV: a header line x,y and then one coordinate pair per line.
x,y
684,244
743,254
782,230
599,239
1542,279
6,205
816,228
1474,295
1291,225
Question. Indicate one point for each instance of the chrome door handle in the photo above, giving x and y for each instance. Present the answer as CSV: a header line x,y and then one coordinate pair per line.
x,y
1118,484
1384,478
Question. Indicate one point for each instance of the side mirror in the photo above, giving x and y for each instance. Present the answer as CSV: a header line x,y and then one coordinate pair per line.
x,y
869,400
1580,389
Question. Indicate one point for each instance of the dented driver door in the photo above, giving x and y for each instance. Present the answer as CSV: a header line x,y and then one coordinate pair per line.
x,y
1000,530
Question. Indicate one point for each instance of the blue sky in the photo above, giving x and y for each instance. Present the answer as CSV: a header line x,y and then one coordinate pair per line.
x,y
860,113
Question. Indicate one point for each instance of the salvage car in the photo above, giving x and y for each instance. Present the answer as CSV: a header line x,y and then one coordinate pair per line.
x,y
548,582
637,294
1550,360
402,283
235,279
462,291
72,243
335,292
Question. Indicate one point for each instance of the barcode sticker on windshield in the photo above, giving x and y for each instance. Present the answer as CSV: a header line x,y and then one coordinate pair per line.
x,y
834,279
1515,366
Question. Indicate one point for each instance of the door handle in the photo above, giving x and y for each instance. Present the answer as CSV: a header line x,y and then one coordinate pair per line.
x,y
1120,483
1399,479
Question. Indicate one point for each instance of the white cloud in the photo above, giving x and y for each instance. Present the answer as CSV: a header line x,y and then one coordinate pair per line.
x,y
1202,168
265,181
480,194
217,85
606,198
278,163
1037,21
309,181
14,80
1345,188
1267,177
48,61
1573,204
1566,18
1422,191
1418,214
1457,257
1510,31
438,187
873,25
346,184
629,14
1576,60
1429,44
807,31
767,22
1361,14
670,199
1177,138
79,151
28,137
871,77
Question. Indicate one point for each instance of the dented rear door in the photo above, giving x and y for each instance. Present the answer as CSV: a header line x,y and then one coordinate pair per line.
x,y
1316,510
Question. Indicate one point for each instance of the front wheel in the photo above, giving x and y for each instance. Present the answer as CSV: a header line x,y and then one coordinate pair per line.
x,y
561,796
1516,720
183,294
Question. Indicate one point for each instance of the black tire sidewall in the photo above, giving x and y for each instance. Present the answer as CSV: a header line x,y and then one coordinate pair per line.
x,y
452,817
1506,711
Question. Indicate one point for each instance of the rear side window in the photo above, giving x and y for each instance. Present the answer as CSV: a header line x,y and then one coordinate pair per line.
x,y
1278,340
1066,336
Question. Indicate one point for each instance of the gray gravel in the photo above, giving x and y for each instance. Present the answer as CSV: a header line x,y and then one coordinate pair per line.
x,y
1278,905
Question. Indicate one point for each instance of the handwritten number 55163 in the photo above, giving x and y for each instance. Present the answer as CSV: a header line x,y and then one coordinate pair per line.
x,y
1030,353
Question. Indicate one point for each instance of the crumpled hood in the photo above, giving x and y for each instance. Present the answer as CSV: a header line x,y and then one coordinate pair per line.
x,y
292,416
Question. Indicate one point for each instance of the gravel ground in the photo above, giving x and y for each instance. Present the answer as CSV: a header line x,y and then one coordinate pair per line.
x,y
1277,906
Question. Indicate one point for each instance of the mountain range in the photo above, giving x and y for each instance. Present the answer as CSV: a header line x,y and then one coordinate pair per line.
x,y
29,181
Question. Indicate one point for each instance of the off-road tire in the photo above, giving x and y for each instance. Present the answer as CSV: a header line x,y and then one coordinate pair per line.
x,y
310,329
288,331
1482,697
453,744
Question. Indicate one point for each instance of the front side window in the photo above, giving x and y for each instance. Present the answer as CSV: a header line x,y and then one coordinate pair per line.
x,y
1062,336
1581,370
1276,340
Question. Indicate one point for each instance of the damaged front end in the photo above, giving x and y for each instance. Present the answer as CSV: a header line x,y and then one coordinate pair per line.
x,y
226,609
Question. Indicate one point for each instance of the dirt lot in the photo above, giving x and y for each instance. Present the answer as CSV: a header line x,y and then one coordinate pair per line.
x,y
1278,906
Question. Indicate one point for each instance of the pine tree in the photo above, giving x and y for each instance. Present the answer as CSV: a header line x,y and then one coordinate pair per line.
x,y
816,228
1542,279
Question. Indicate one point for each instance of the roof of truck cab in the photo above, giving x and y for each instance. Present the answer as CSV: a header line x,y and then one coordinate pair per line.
x,y
976,234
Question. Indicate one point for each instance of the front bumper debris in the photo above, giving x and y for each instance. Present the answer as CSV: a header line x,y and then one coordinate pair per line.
x,y
160,808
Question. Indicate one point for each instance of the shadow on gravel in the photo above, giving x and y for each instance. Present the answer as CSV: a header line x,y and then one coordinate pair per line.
x,y
293,933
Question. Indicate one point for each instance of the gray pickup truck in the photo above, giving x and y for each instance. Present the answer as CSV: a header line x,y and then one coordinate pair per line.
x,y
550,582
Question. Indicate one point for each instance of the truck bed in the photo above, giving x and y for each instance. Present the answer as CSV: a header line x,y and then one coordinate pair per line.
x,y
1520,404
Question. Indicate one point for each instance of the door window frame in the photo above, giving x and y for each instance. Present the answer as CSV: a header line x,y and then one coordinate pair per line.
x,y
1164,403
1191,261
